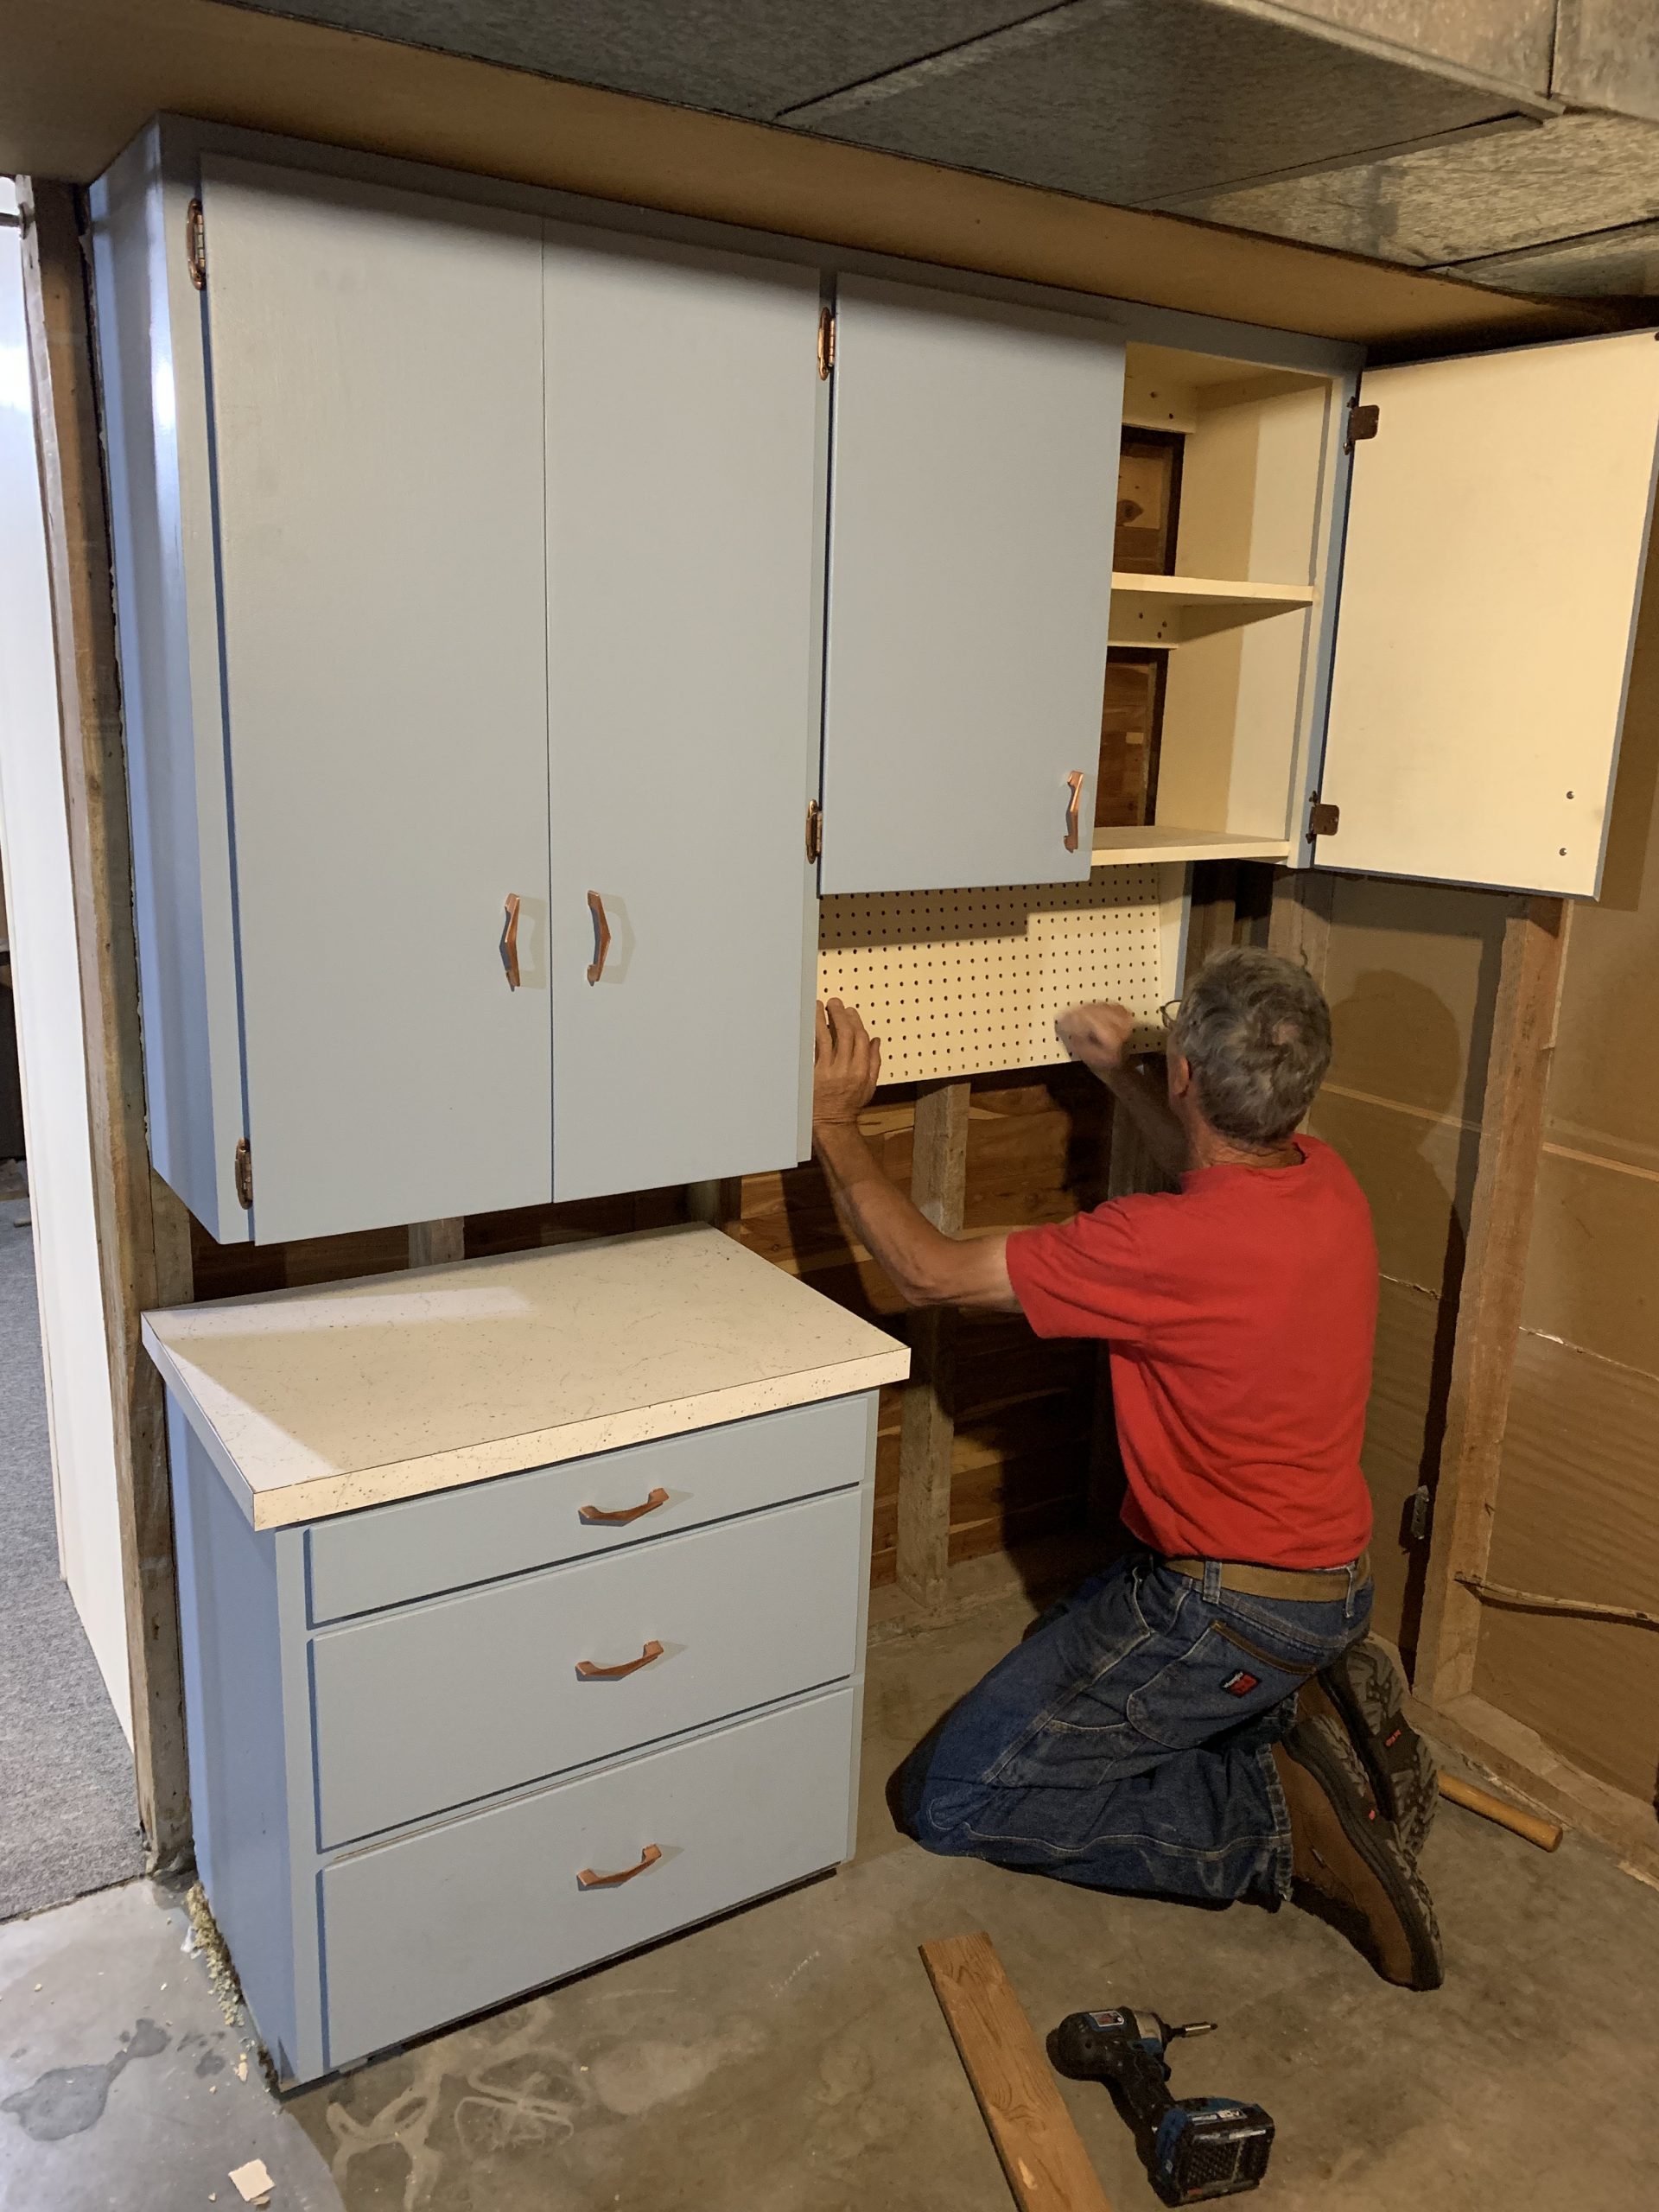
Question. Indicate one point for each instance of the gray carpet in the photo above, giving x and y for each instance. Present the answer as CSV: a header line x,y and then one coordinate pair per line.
x,y
67,1822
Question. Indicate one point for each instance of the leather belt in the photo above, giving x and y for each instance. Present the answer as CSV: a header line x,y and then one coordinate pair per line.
x,y
1316,1584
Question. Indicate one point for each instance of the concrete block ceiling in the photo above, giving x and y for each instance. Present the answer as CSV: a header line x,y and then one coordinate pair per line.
x,y
1514,140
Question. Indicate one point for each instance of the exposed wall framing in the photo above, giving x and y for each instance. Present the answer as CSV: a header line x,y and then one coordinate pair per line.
x,y
142,1231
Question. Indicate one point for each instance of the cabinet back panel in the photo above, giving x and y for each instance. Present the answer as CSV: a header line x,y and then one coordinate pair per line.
x,y
683,424
1497,531
972,511
376,390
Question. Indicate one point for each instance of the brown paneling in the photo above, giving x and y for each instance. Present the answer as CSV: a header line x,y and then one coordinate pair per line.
x,y
1411,969
1418,1174
1578,1516
83,76
1593,1270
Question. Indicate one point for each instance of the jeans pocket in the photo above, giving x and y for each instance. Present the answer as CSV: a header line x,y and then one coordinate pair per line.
x,y
1224,1678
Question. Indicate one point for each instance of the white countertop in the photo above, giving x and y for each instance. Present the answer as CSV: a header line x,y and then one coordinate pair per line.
x,y
321,1401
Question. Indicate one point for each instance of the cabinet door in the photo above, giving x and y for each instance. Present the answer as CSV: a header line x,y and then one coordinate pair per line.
x,y
1496,534
974,490
683,533
375,360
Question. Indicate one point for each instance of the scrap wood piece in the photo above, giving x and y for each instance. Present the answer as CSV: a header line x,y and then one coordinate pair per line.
x,y
1546,1833
1534,1601
1036,2139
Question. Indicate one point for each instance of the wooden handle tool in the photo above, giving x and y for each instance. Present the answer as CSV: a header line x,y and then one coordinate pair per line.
x,y
1547,1835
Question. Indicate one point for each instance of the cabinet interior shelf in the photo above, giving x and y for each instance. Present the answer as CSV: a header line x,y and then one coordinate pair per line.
x,y
1148,610
1123,847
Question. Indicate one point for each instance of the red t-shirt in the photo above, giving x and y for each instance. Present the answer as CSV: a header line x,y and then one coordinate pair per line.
x,y
1240,1312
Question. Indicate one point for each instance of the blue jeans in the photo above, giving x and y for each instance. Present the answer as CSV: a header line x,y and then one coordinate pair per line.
x,y
1127,1743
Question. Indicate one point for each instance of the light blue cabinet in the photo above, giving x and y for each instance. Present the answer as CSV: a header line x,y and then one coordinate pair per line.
x,y
512,1763
467,573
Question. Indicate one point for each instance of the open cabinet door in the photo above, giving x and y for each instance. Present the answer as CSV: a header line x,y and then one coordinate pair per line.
x,y
1496,534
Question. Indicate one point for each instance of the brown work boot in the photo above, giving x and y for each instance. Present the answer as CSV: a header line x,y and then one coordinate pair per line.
x,y
1347,1865
1363,1693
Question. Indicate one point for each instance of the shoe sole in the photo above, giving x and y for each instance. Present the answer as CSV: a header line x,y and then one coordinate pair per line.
x,y
1388,1883
1362,1687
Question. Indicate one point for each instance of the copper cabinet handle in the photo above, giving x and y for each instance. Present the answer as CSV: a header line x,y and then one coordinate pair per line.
x,y
588,1880
596,1515
601,936
510,940
1074,782
590,1673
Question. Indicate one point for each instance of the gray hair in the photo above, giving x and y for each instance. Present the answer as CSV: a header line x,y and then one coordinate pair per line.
x,y
1256,1031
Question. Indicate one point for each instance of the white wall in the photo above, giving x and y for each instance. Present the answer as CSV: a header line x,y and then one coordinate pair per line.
x,y
35,853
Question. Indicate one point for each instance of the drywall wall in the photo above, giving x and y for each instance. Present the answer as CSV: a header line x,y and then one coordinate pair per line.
x,y
1577,1511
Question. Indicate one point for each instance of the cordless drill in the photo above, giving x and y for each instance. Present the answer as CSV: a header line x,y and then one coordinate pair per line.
x,y
1192,2147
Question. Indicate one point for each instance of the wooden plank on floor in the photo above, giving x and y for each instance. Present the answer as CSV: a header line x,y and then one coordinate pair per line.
x,y
938,1181
1489,1305
142,1236
1036,2138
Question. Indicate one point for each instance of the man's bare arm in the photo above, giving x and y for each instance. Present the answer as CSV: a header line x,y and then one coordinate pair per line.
x,y
926,1267
1096,1035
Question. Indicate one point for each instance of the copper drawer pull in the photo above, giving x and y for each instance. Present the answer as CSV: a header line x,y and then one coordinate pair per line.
x,y
601,936
510,940
595,1516
590,1673
588,1880
1074,782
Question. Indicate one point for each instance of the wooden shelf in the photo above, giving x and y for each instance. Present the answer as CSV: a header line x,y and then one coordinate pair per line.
x,y
1124,847
1178,610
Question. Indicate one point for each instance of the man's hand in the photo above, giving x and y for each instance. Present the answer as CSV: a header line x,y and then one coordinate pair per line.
x,y
846,1067
1097,1035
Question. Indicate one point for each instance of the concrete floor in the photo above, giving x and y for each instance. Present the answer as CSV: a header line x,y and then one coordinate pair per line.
x,y
792,2059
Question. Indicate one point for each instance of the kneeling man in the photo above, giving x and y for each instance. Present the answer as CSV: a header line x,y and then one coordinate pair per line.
x,y
1206,1719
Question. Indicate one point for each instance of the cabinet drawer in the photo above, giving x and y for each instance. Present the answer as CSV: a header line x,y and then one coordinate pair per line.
x,y
425,1545
447,1702
478,1910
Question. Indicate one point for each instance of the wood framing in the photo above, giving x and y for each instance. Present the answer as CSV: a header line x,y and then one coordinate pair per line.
x,y
938,1183
143,1233
431,1243
1299,925
1489,1310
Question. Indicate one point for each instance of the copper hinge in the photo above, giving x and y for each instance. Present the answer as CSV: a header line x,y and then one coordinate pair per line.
x,y
1323,821
826,340
1362,423
814,831
195,246
245,1173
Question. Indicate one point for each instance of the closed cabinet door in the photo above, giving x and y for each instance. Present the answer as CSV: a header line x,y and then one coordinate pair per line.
x,y
973,497
1496,537
375,365
684,421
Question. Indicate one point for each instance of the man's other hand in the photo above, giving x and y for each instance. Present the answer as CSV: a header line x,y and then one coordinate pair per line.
x,y
846,1065
1097,1035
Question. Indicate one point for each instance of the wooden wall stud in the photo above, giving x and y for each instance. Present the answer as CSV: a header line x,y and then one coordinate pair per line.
x,y
938,1181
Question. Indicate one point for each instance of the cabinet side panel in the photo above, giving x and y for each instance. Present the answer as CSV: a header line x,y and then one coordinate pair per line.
x,y
682,436
233,1702
974,485
150,368
376,363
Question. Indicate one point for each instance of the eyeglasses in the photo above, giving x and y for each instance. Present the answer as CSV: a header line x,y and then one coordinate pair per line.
x,y
1169,1014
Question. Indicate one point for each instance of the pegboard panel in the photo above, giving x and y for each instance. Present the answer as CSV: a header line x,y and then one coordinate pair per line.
x,y
960,983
